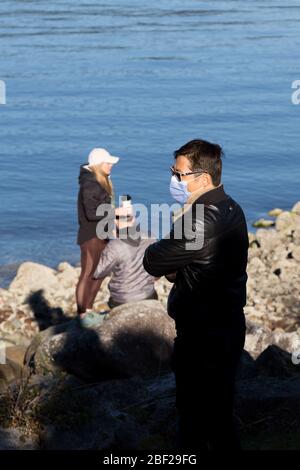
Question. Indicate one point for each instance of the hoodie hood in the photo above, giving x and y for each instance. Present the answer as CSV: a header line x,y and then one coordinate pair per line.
x,y
85,174
128,235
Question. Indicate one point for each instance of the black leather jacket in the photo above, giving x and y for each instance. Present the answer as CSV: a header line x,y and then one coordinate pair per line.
x,y
210,285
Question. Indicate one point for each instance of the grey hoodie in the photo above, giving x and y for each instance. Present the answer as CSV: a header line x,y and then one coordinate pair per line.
x,y
123,260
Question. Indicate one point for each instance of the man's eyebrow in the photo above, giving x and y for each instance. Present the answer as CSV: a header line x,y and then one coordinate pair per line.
x,y
181,171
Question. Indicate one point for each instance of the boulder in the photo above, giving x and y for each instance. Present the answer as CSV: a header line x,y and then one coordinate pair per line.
x,y
296,208
135,339
263,223
268,401
32,277
16,439
275,362
267,239
296,252
10,371
67,276
285,222
258,338
275,212
13,367
289,342
128,414
16,354
247,367
296,236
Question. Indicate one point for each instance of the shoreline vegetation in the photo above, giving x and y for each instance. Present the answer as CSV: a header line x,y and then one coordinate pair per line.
x,y
66,387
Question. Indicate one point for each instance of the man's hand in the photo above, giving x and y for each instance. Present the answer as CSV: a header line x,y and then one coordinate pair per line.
x,y
171,277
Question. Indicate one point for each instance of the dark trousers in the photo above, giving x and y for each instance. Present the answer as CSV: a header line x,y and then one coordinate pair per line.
x,y
205,364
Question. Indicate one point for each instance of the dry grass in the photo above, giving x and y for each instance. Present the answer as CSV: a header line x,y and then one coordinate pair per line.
x,y
30,407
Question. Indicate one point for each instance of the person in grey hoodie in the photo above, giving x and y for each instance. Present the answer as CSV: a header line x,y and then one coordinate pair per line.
x,y
122,258
95,189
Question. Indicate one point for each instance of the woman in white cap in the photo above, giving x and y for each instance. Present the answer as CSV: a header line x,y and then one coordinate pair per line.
x,y
95,188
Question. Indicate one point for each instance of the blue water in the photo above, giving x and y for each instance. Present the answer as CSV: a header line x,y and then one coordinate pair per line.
x,y
140,78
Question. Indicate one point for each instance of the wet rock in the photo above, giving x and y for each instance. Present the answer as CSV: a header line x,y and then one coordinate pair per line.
x,y
275,212
263,223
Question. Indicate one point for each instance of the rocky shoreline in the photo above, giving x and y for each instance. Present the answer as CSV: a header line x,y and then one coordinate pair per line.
x,y
38,323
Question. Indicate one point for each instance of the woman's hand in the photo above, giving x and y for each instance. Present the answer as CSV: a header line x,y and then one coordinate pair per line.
x,y
123,211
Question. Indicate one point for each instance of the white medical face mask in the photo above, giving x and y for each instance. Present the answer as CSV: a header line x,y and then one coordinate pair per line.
x,y
178,190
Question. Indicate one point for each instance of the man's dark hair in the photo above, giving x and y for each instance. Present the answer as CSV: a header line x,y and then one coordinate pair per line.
x,y
205,156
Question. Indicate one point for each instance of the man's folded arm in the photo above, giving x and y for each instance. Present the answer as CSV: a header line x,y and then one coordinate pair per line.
x,y
167,256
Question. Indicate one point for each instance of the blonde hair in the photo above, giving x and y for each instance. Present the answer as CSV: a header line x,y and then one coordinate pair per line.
x,y
102,178
104,181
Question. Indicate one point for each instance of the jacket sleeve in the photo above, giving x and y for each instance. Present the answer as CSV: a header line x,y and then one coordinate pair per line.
x,y
108,260
92,196
172,253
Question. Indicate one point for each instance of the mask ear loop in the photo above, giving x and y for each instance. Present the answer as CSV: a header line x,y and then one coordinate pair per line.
x,y
187,182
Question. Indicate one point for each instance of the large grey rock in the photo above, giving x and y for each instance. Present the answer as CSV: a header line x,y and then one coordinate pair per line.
x,y
13,369
136,339
267,239
32,277
263,223
287,221
289,342
296,208
275,212
97,417
275,362
247,367
15,439
266,399
10,371
258,338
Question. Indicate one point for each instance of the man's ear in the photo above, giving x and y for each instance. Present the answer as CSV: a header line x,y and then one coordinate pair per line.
x,y
207,179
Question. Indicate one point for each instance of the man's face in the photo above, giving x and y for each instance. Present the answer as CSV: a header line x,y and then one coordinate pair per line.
x,y
182,165
195,181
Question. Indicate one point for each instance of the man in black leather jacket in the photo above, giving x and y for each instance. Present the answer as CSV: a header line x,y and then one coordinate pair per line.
x,y
207,297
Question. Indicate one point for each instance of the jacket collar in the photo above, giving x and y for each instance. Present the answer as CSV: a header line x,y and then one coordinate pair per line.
x,y
210,197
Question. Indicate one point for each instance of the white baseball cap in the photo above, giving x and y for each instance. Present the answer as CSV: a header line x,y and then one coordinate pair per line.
x,y
99,155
